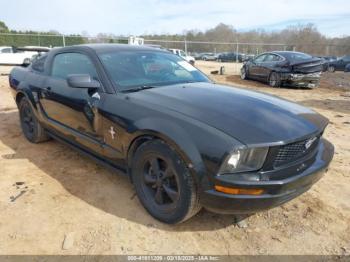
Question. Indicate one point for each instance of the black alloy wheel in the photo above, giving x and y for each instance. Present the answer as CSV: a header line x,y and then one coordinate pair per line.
x,y
163,183
160,182
27,121
31,128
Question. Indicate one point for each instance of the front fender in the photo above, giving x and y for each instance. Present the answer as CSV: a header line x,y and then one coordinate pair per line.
x,y
174,135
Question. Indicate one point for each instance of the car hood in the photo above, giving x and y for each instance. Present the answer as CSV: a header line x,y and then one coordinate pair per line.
x,y
251,117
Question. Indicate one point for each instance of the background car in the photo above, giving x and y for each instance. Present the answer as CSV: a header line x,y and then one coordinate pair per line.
x,y
327,60
230,57
340,64
206,56
284,68
182,54
19,55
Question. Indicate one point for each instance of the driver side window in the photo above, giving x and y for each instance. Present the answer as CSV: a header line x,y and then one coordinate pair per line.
x,y
260,59
72,63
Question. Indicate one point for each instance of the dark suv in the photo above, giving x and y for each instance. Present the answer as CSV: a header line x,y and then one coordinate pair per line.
x,y
230,57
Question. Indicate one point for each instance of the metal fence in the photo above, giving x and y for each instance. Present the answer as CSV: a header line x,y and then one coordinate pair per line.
x,y
53,40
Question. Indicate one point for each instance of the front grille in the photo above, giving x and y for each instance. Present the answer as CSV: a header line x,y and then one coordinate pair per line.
x,y
295,151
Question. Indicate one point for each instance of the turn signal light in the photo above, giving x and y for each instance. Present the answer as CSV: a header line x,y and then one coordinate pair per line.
x,y
238,191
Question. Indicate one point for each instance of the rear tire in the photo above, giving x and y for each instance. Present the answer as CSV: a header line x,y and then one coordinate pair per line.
x,y
274,80
163,183
31,128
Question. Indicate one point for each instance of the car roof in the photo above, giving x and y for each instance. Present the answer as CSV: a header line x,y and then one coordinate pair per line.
x,y
107,48
285,52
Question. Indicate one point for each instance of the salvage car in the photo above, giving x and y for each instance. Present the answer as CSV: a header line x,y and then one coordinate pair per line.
x,y
284,68
184,141
340,64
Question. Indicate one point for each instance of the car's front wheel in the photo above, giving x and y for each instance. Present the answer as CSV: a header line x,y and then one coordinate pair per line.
x,y
274,80
163,183
31,128
244,73
331,69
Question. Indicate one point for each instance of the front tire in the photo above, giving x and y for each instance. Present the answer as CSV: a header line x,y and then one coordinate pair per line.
x,y
274,80
244,73
331,69
163,183
31,128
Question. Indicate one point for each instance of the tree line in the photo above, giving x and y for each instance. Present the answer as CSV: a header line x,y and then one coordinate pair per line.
x,y
304,38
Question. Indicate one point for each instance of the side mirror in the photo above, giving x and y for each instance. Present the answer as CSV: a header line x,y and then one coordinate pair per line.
x,y
82,81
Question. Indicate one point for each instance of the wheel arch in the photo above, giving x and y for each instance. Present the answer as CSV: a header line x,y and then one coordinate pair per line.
x,y
174,135
23,93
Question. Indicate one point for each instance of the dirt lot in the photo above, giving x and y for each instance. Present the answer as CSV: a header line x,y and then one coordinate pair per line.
x,y
68,196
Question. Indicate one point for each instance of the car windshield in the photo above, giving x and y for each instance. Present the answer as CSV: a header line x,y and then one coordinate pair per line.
x,y
296,56
130,69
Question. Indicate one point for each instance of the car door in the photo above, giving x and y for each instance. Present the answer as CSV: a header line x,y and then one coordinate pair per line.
x,y
255,70
268,65
72,112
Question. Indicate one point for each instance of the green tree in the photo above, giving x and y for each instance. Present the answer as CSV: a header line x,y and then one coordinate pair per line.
x,y
3,27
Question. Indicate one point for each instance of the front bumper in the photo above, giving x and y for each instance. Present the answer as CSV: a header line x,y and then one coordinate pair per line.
x,y
276,193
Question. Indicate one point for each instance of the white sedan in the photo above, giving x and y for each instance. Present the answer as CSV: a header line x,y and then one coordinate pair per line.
x,y
13,56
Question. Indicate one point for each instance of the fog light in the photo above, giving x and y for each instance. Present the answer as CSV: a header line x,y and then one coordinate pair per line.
x,y
238,191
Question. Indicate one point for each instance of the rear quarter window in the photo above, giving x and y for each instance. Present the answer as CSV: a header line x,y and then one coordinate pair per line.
x,y
39,64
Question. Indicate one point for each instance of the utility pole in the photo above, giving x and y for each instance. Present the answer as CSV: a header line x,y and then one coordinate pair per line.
x,y
64,40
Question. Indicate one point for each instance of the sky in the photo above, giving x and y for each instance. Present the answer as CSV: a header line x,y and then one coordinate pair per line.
x,y
133,17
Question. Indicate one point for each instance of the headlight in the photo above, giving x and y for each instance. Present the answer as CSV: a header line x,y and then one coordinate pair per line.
x,y
243,160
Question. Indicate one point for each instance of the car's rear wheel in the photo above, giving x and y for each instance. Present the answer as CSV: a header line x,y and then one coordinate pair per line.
x,y
163,183
31,128
244,73
331,69
274,80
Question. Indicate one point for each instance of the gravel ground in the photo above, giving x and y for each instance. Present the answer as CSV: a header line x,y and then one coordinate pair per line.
x,y
71,205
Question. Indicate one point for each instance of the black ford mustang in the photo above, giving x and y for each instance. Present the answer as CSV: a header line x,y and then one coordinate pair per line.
x,y
185,142
285,68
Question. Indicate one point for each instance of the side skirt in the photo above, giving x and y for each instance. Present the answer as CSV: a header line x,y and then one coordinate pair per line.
x,y
87,153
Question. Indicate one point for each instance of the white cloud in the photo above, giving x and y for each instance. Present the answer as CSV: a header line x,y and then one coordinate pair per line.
x,y
159,16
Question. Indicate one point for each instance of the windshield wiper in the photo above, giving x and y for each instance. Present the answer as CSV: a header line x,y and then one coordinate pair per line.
x,y
138,88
